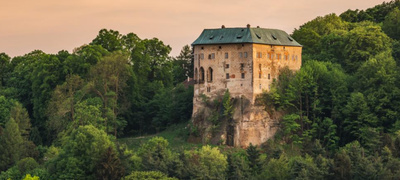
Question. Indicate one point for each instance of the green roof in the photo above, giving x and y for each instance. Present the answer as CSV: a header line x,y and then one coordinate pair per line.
x,y
245,35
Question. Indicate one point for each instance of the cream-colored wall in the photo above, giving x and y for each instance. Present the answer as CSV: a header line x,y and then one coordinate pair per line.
x,y
271,65
236,85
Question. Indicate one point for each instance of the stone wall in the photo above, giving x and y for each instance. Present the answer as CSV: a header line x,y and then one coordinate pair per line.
x,y
246,70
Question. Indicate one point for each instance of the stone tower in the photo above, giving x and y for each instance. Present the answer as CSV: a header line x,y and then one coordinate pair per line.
x,y
245,61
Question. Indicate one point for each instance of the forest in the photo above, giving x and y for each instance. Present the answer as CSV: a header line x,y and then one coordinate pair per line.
x,y
69,115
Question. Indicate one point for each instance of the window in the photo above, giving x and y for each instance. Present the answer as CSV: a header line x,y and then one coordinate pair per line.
x,y
242,75
241,66
240,54
269,76
226,56
227,75
259,54
211,56
259,67
272,56
279,57
195,74
259,75
260,86
296,58
226,66
269,56
208,89
209,74
201,78
201,56
245,54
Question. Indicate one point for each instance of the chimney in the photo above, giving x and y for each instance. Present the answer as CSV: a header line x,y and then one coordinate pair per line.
x,y
223,26
258,26
248,25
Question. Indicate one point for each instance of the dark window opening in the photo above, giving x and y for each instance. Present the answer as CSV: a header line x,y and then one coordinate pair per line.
x,y
201,77
226,55
245,54
209,74
242,75
269,76
241,66
226,66
227,75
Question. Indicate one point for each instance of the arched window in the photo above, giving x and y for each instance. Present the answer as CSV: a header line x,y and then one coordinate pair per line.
x,y
209,74
195,75
201,77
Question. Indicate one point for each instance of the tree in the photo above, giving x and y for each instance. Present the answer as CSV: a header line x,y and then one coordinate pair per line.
x,y
21,117
108,79
83,150
110,40
183,65
364,41
4,68
206,163
110,166
378,79
11,141
151,175
391,25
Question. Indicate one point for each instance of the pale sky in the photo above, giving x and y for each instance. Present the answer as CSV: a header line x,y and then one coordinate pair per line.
x,y
54,25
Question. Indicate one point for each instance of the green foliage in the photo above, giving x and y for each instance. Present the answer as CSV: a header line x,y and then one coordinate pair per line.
x,y
109,166
155,155
276,169
82,150
392,23
206,163
27,164
12,142
150,175
238,166
29,177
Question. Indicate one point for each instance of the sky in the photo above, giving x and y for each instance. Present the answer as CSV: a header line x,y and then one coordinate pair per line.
x,y
54,25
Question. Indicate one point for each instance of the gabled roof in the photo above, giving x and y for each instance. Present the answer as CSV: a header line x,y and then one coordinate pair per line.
x,y
245,35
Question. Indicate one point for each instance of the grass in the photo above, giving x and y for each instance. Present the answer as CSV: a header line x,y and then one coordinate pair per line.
x,y
175,134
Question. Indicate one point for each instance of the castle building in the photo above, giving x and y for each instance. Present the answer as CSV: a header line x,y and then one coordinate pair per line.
x,y
246,61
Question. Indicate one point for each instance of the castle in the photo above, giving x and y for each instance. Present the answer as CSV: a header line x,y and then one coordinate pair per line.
x,y
246,61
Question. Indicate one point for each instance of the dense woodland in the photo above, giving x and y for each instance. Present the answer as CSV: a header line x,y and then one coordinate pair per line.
x,y
62,115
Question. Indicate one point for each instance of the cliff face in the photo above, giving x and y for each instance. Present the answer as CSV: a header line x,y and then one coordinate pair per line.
x,y
248,123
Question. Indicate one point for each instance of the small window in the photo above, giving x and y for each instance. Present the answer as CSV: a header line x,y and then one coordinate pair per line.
x,y
259,67
296,58
273,36
226,66
201,56
219,47
269,56
226,55
241,66
208,89
211,56
258,36
211,37
202,48
259,54
242,75
272,56
245,54
269,76
259,75
227,75
260,86
240,54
